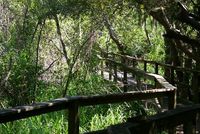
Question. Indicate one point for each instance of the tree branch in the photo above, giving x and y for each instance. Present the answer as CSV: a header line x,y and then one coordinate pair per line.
x,y
175,35
159,15
43,71
61,40
186,17
147,33
113,35
71,66
184,49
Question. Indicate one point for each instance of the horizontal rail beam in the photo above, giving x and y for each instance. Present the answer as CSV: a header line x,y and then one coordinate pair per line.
x,y
21,112
138,72
161,121
168,119
178,68
124,97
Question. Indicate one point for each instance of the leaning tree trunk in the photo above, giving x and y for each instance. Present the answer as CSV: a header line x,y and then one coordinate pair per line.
x,y
196,77
168,58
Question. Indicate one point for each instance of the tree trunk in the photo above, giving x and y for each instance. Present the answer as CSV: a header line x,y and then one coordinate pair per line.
x,y
168,58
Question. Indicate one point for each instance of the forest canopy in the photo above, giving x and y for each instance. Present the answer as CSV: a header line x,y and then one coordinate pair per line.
x,y
59,39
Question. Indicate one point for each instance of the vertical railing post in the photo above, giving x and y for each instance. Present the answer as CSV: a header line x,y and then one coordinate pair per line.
x,y
139,84
73,119
172,100
145,66
166,72
156,68
134,66
157,85
172,105
115,72
125,80
156,72
101,64
195,87
114,69
110,70
102,68
109,67
172,76
188,128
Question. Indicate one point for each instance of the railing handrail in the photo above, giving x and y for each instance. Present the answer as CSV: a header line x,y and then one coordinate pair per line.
x,y
166,120
160,79
73,103
186,115
178,68
63,103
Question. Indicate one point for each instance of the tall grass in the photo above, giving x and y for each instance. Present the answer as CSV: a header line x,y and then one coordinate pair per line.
x,y
53,123
91,118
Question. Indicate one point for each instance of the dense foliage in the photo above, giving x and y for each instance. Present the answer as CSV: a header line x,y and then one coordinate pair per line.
x,y
50,49
56,42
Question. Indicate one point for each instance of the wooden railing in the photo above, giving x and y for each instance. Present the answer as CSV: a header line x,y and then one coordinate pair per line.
x,y
186,116
72,104
114,67
188,86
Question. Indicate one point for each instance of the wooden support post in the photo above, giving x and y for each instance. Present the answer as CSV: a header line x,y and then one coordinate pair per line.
x,y
172,100
101,65
145,66
125,80
172,76
114,69
195,87
102,68
184,86
139,84
156,68
134,65
156,84
189,128
110,70
167,73
73,119
115,72
172,105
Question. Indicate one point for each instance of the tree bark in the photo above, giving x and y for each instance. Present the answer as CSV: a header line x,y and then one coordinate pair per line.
x,y
61,40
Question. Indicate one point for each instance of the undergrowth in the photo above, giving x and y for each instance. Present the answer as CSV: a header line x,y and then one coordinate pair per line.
x,y
91,118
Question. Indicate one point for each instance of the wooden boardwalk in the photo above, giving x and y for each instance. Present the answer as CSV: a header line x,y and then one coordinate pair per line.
x,y
121,73
132,85
160,123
